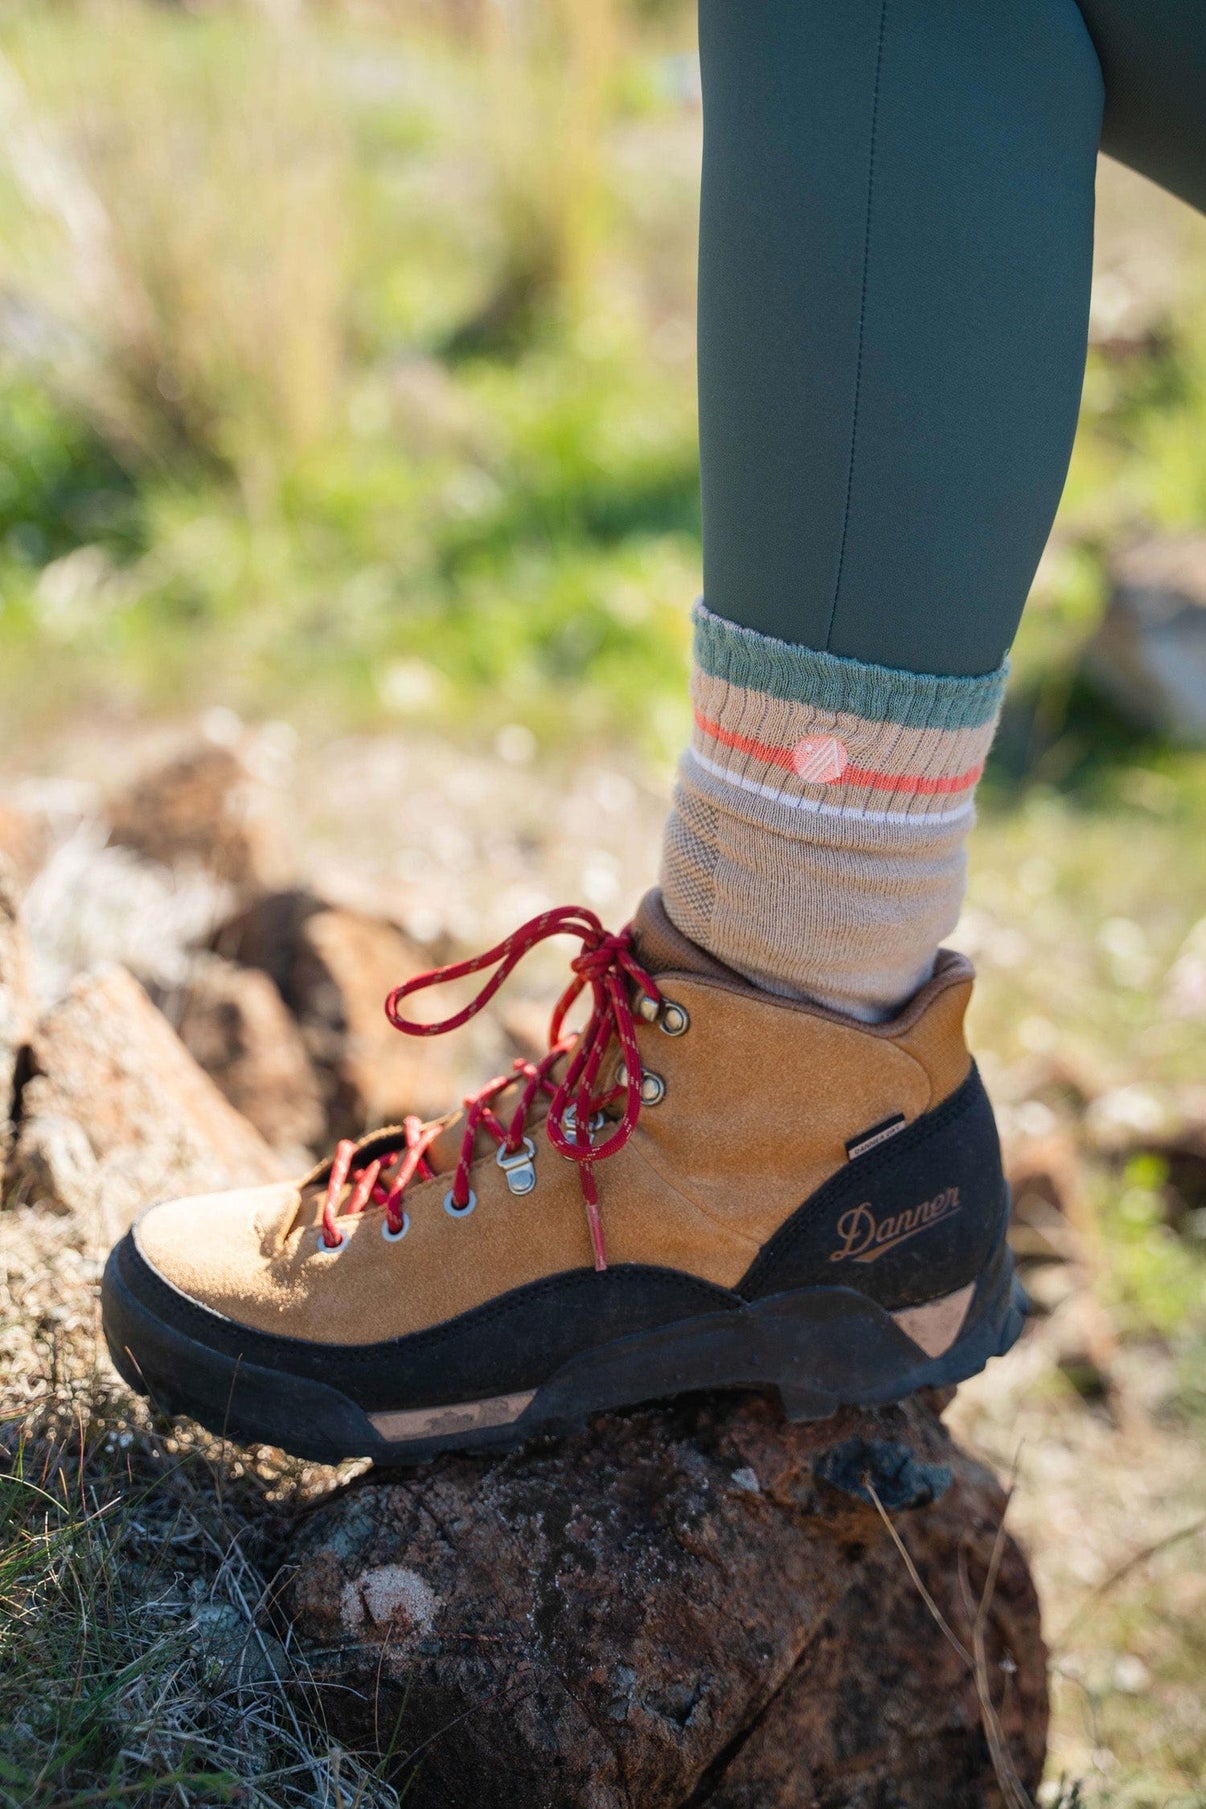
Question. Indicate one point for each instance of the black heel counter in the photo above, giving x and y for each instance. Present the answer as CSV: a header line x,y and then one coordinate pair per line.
x,y
915,1218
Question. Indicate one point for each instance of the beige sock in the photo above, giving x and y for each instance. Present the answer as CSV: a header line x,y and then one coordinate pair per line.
x,y
817,839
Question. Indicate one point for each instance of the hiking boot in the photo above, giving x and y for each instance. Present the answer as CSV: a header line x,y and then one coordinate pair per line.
x,y
707,1186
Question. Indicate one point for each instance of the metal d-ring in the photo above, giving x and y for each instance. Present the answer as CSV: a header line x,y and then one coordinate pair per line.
x,y
519,1165
569,1121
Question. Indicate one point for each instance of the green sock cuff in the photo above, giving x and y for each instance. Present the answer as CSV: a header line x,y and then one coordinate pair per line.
x,y
758,662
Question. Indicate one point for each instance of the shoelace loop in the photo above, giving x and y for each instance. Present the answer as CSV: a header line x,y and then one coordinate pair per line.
x,y
607,965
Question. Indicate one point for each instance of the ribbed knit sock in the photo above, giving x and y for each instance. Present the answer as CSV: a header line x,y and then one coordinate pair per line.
x,y
817,839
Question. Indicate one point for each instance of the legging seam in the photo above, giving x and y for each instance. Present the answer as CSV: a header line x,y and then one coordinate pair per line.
x,y
862,320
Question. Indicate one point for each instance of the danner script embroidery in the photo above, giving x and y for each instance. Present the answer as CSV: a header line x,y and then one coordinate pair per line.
x,y
866,1238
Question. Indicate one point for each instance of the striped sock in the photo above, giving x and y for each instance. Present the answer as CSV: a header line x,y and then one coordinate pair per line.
x,y
817,838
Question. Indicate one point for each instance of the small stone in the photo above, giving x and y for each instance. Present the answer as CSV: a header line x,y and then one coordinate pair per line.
x,y
234,1023
206,807
24,843
334,968
16,999
1149,654
156,1125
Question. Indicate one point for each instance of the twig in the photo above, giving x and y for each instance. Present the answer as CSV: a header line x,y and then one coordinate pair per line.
x,y
1124,1570
1014,1791
918,1583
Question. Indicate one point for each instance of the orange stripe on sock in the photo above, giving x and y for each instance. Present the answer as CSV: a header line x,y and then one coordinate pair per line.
x,y
915,783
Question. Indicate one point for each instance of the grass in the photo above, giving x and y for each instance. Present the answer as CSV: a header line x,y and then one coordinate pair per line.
x,y
139,1655
385,393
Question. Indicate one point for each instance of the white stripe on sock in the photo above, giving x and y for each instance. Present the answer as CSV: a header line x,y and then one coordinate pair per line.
x,y
922,819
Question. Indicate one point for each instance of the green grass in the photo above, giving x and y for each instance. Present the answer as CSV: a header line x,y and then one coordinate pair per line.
x,y
140,1656
412,404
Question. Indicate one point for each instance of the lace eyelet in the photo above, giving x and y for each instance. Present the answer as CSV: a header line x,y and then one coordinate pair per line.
x,y
459,1212
325,1249
395,1237
648,1008
674,1018
653,1088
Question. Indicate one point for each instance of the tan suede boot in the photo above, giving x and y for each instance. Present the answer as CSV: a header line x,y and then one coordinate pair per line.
x,y
708,1186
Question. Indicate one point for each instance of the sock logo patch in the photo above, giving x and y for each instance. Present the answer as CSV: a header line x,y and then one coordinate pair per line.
x,y
865,1238
820,758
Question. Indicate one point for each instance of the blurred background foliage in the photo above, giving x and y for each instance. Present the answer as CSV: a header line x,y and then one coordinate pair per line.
x,y
346,359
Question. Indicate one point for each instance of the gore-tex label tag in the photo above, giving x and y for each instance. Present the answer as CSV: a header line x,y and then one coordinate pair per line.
x,y
878,1133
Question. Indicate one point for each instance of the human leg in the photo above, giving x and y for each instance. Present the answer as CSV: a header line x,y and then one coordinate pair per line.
x,y
895,259
1153,56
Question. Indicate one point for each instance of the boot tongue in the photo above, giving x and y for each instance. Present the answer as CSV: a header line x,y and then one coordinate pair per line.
x,y
662,948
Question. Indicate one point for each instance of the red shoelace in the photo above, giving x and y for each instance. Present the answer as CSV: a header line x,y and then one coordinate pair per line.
x,y
608,966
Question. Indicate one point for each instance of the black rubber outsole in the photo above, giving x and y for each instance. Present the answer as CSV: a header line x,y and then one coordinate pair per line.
x,y
820,1348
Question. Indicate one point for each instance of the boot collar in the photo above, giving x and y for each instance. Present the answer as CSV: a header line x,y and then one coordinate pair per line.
x,y
663,949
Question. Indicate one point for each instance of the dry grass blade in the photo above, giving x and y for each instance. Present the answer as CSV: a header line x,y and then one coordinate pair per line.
x,y
976,1658
1014,1791
1120,1573
918,1581
138,1659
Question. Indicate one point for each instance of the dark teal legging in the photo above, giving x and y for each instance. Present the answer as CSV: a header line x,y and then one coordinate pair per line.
x,y
896,241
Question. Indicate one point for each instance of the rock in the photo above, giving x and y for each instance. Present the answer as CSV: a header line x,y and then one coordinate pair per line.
x,y
117,1113
233,1022
347,964
1149,654
681,1605
16,1000
1052,1219
208,808
235,1654
334,968
56,1165
267,934
24,843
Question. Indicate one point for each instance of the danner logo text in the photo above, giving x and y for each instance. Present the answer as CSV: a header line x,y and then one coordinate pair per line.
x,y
865,1238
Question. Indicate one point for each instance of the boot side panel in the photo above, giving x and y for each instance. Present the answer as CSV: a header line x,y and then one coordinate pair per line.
x,y
915,1217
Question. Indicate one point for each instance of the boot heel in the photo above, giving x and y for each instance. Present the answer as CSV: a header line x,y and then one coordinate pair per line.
x,y
801,1404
